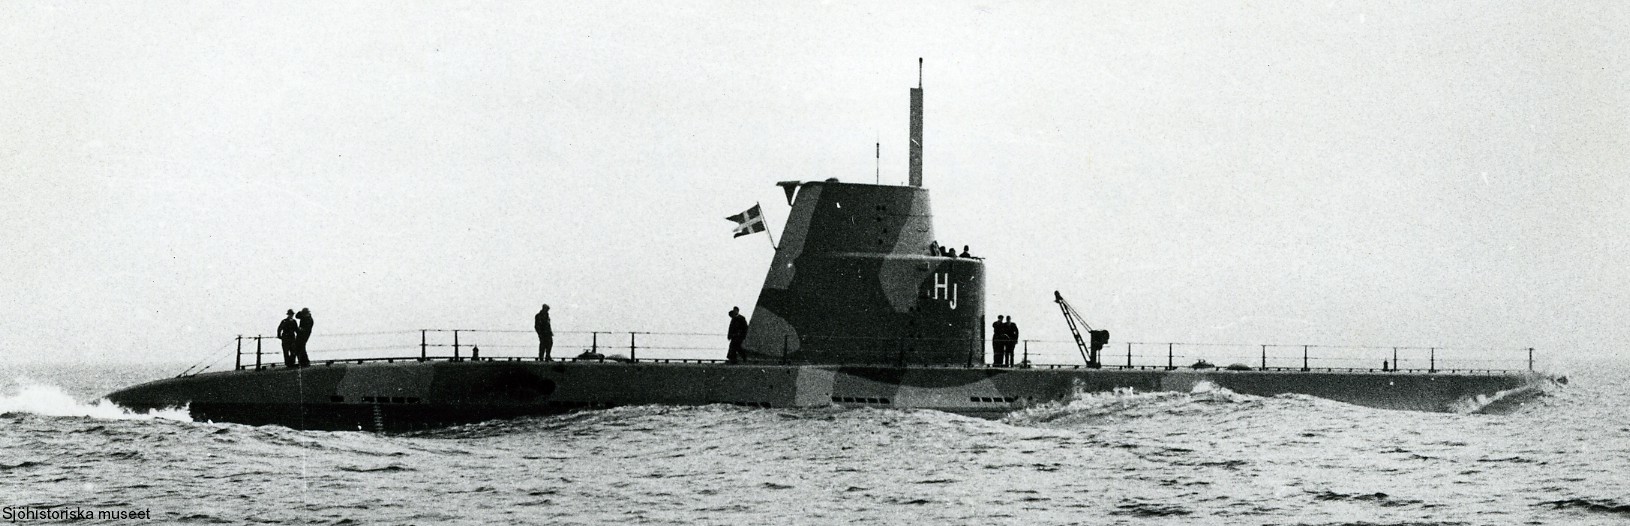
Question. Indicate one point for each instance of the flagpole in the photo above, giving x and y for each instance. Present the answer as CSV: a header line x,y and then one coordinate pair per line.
x,y
766,221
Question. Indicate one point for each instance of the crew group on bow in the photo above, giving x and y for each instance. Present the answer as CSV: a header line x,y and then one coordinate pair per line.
x,y
293,332
936,249
1004,337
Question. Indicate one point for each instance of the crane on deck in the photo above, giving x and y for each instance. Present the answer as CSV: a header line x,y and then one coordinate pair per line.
x,y
1073,319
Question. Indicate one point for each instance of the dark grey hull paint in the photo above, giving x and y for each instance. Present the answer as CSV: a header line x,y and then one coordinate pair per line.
x,y
416,395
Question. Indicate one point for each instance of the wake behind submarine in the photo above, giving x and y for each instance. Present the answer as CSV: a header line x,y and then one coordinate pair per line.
x,y
855,311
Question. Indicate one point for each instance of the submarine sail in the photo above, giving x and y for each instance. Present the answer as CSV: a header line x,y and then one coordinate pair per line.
x,y
858,279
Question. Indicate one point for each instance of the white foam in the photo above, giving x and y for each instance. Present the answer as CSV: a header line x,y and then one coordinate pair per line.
x,y
29,396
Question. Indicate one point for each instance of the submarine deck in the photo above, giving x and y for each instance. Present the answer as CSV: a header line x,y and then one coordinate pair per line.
x,y
397,393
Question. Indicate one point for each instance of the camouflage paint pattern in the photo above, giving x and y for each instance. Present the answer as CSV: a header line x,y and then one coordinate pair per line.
x,y
853,282
415,395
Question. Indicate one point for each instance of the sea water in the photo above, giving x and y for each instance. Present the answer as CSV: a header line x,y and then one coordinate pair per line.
x,y
1204,457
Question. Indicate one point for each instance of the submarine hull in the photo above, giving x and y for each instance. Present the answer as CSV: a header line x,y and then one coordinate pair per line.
x,y
419,395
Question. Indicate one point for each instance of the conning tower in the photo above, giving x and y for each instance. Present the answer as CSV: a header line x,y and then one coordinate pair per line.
x,y
854,280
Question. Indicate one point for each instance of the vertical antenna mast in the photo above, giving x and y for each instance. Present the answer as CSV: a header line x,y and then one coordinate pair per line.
x,y
916,172
877,176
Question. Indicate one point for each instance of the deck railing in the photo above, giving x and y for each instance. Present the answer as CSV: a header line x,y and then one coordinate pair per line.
x,y
264,352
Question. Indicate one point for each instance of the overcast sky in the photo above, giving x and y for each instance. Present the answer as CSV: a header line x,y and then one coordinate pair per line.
x,y
173,174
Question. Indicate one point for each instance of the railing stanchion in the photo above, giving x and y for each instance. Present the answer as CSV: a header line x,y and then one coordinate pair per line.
x,y
906,349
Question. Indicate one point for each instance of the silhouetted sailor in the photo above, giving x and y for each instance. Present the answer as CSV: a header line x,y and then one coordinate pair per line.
x,y
1012,339
965,252
933,248
1001,341
1007,337
997,331
546,334
304,336
738,332
1003,346
288,334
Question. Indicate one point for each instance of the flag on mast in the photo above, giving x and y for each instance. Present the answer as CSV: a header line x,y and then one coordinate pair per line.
x,y
749,222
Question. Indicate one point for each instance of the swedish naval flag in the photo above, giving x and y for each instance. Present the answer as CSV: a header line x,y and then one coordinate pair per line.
x,y
749,222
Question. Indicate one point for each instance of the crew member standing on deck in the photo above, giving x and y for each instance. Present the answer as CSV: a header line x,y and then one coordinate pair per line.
x,y
738,333
303,336
288,334
1013,339
998,335
1009,340
1005,336
546,334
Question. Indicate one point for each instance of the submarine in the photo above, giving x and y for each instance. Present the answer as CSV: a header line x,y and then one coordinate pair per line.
x,y
856,310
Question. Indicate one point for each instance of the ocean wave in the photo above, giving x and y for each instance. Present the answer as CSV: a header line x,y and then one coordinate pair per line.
x,y
1378,498
375,469
628,418
1142,508
1084,406
654,417
20,465
26,396
1592,505
1502,402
